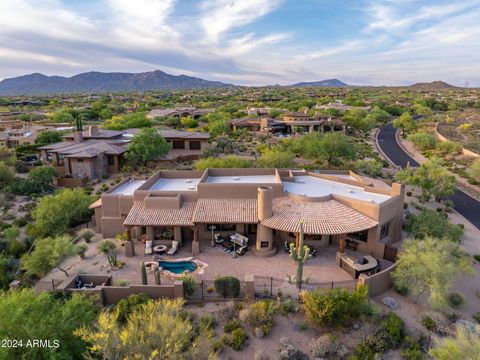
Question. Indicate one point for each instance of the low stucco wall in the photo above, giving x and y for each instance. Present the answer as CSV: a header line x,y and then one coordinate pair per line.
x,y
442,138
379,282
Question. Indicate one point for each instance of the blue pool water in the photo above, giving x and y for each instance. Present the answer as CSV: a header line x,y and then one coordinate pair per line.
x,y
178,267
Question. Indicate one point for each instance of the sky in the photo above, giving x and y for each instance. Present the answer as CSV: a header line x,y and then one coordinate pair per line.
x,y
247,42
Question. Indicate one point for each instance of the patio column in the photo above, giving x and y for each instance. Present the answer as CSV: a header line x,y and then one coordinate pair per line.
x,y
341,244
150,233
129,247
264,244
195,242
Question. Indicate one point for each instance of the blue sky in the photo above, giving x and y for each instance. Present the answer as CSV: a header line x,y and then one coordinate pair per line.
x,y
250,42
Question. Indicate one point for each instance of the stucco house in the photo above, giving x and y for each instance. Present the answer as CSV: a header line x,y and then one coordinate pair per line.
x,y
338,208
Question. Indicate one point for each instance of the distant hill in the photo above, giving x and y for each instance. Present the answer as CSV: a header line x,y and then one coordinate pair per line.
x,y
321,83
102,82
432,85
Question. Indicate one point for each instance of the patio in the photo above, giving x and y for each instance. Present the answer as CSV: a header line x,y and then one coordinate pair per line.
x,y
321,268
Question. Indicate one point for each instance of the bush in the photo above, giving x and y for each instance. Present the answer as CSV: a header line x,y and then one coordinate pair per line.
x,y
15,248
227,286
394,327
189,284
429,323
261,316
476,317
455,299
238,339
401,289
334,307
412,350
20,222
288,307
229,312
323,346
86,234
232,325
127,306
207,322
477,257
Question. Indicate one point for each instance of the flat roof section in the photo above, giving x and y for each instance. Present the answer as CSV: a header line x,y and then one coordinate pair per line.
x,y
316,187
176,184
242,179
129,187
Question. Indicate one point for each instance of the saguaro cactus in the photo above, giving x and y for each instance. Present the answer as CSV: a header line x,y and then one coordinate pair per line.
x,y
300,255
143,271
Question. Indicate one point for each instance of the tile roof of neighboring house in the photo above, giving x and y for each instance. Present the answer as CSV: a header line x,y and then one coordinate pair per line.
x,y
297,114
96,204
226,211
328,217
141,216
98,134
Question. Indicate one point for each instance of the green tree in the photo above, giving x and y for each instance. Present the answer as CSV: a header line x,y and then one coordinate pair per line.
x,y
49,137
128,121
27,316
372,167
147,145
431,177
165,331
275,158
464,345
62,116
429,267
55,214
42,178
360,120
405,122
48,254
7,176
431,223
229,161
337,147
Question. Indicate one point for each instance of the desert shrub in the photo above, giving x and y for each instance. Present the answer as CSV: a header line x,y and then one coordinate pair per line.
x,y
429,323
401,289
86,234
127,306
261,316
189,284
288,307
227,286
423,140
394,327
323,346
476,317
334,307
229,312
206,322
15,248
411,350
477,257
455,299
232,325
238,339
20,222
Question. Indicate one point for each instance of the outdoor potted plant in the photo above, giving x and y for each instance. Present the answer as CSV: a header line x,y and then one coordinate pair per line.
x,y
82,250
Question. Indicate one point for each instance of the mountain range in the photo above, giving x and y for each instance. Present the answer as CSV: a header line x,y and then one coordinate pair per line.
x,y
432,85
321,83
91,82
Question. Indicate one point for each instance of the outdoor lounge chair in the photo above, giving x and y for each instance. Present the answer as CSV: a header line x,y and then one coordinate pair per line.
x,y
173,249
241,250
219,239
148,247
286,247
313,252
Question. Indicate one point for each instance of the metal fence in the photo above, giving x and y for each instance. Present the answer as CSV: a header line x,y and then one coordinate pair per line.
x,y
270,287
206,290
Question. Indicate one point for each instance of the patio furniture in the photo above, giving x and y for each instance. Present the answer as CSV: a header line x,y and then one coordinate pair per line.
x,y
286,247
241,250
219,239
151,265
313,252
351,245
228,245
355,267
159,249
239,239
148,247
173,249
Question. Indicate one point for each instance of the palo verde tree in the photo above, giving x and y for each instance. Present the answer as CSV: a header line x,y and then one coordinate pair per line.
x,y
429,266
431,177
147,145
300,255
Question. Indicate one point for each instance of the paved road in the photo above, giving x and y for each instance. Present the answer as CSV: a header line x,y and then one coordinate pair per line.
x,y
467,206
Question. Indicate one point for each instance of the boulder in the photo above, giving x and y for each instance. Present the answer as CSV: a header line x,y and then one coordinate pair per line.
x,y
390,302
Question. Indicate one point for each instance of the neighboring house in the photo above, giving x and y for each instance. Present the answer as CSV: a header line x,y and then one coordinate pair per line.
x,y
26,135
291,123
95,152
265,205
338,105
178,112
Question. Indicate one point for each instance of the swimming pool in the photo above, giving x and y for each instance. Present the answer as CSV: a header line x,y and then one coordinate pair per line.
x,y
178,267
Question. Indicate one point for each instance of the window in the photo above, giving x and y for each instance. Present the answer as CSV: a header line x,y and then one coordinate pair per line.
x,y
384,230
111,160
79,160
252,228
195,145
359,236
178,144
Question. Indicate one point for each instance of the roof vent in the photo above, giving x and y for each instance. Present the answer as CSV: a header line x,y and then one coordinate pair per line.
x,y
351,191
236,178
192,188
300,181
188,181
372,201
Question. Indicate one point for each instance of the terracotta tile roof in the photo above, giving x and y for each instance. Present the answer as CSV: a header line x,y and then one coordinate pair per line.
x,y
141,216
96,204
327,217
226,211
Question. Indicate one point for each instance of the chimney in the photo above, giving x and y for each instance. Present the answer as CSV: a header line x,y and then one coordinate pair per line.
x,y
264,244
77,136
93,130
265,202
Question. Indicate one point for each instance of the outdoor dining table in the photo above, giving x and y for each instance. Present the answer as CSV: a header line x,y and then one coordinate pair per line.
x,y
160,249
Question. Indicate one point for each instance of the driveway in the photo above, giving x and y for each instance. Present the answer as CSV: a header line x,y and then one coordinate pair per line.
x,y
467,206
